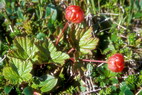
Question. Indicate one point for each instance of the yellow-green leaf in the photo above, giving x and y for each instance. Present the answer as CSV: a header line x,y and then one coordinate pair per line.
x,y
18,71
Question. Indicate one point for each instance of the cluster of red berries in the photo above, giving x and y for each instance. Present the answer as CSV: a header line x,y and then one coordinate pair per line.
x,y
75,14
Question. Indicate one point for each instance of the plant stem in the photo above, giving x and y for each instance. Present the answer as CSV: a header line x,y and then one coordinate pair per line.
x,y
88,60
99,61
72,49
65,27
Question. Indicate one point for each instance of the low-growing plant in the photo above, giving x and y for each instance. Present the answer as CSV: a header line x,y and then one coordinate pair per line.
x,y
59,47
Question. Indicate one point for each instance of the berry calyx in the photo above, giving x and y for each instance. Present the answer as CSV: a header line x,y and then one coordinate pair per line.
x,y
74,14
116,62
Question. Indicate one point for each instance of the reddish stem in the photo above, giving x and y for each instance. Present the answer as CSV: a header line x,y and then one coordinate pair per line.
x,y
88,60
99,61
72,49
63,30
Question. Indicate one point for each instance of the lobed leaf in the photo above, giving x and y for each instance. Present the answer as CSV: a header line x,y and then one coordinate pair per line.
x,y
10,74
83,40
48,52
48,84
45,83
87,42
18,72
25,48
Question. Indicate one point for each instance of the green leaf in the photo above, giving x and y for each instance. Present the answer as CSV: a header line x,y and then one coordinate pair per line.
x,y
83,40
114,80
138,15
10,75
45,83
48,84
48,52
125,90
128,92
20,14
131,38
24,48
7,89
130,81
28,91
18,71
51,11
41,36
87,42
35,1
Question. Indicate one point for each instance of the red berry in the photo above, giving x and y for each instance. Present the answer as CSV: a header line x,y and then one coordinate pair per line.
x,y
116,63
74,14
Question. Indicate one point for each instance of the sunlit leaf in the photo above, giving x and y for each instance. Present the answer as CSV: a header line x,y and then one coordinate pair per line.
x,y
83,40
87,42
24,48
27,26
18,71
48,52
10,75
2,5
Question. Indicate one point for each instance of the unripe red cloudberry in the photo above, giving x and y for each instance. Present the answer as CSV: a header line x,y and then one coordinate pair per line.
x,y
74,14
116,63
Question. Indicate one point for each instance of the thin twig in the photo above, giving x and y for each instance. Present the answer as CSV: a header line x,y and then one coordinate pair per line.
x,y
72,49
11,28
3,58
100,64
92,91
109,14
119,25
87,60
60,35
138,92
105,29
